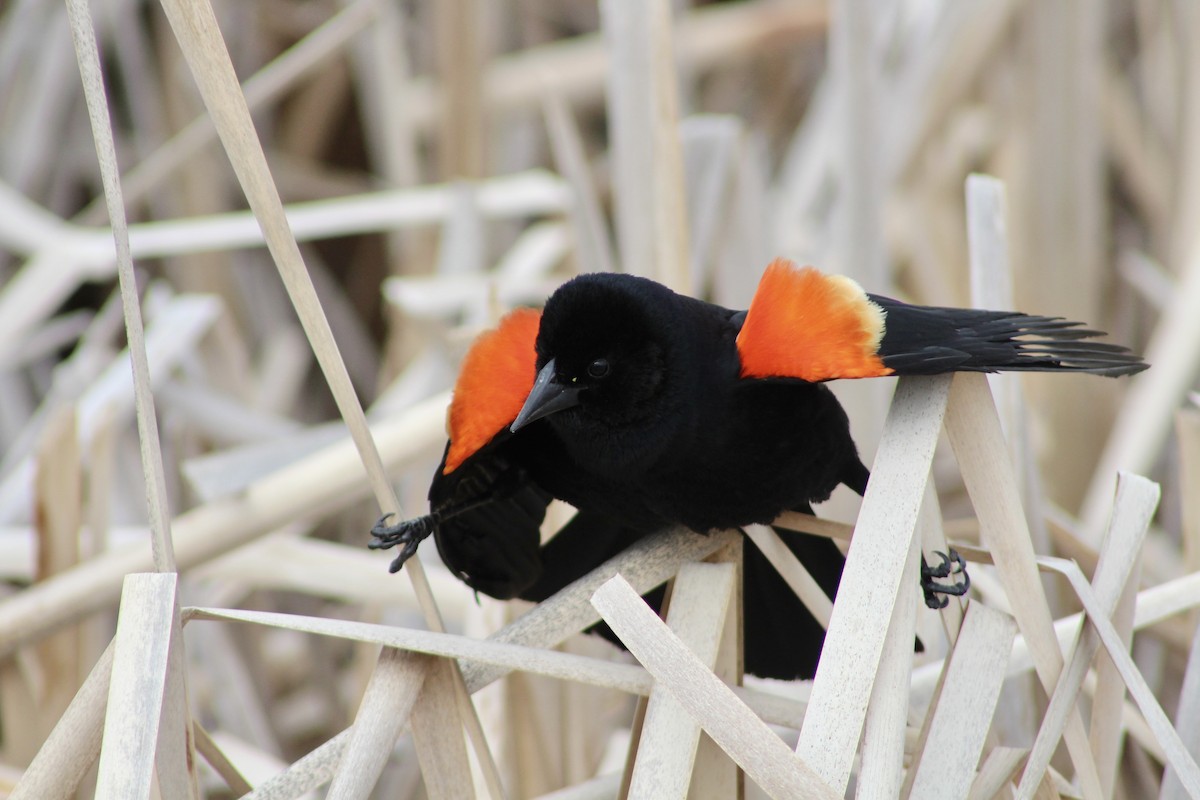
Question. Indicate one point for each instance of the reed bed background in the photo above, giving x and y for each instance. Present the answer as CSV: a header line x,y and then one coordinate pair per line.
x,y
188,609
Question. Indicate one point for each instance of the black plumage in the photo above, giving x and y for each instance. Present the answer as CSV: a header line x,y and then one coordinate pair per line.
x,y
641,418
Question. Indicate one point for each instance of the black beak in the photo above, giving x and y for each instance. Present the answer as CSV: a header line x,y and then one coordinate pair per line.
x,y
546,397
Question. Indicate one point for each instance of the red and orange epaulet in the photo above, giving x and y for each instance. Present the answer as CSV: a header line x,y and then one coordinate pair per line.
x,y
807,325
496,377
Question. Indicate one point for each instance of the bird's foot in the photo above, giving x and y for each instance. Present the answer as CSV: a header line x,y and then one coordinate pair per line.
x,y
952,565
408,534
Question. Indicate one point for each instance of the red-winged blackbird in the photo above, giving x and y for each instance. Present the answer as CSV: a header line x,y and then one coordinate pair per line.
x,y
643,408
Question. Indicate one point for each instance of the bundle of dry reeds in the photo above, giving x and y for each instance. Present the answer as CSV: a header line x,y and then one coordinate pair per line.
x,y
188,608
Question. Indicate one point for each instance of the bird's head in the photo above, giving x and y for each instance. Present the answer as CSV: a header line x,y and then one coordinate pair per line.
x,y
605,357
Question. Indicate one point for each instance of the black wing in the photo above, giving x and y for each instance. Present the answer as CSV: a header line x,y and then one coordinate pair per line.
x,y
486,518
927,340
488,530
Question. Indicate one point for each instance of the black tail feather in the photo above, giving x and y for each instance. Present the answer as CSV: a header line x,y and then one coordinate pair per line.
x,y
583,544
782,639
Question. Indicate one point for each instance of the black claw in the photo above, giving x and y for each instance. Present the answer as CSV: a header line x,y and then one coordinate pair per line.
x,y
940,571
943,569
380,531
952,564
960,565
956,589
408,534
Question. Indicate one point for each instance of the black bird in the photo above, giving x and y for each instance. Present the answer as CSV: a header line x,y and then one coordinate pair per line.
x,y
644,408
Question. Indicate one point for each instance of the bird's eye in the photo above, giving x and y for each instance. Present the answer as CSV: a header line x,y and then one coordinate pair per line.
x,y
598,368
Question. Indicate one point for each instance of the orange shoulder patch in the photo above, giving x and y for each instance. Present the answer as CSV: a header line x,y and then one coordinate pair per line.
x,y
803,324
496,377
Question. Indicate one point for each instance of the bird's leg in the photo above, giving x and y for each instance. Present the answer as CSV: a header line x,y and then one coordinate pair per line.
x,y
410,533
951,565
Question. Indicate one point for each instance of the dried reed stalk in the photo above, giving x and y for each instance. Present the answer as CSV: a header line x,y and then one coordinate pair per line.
x,y
780,157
